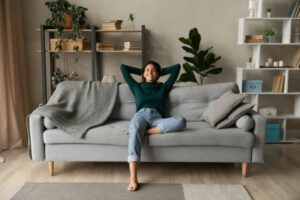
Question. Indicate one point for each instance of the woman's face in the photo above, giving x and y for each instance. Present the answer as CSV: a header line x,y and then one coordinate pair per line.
x,y
150,73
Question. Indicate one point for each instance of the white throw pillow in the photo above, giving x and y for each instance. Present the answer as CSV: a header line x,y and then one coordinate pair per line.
x,y
245,122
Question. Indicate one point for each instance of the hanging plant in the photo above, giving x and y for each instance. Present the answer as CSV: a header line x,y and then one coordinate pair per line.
x,y
66,15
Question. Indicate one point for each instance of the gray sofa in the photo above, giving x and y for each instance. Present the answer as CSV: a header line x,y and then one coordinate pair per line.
x,y
197,143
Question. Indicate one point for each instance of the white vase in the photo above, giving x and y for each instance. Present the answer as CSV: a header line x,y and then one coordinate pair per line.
x,y
268,14
249,65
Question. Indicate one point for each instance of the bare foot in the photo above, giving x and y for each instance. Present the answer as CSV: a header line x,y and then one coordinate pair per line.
x,y
132,185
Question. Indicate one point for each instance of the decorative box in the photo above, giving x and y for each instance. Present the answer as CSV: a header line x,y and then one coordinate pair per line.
x,y
252,85
274,132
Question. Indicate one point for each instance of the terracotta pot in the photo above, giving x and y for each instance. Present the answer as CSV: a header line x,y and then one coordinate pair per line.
x,y
68,23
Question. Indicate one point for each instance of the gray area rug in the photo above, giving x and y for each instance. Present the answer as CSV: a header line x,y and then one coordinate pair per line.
x,y
117,191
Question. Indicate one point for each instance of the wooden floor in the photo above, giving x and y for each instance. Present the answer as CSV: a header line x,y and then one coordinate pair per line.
x,y
278,178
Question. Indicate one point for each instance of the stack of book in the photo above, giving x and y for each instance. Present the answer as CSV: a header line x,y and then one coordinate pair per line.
x,y
112,24
295,9
278,83
132,46
254,39
104,46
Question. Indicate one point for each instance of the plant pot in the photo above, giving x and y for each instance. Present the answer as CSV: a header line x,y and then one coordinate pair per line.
x,y
268,14
67,45
271,39
68,23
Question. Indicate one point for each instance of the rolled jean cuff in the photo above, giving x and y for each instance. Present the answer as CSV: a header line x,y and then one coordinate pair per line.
x,y
160,128
133,158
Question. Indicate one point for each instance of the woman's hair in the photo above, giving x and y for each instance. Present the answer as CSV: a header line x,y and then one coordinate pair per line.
x,y
155,64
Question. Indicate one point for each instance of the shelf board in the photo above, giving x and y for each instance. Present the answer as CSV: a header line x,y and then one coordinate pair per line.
x,y
273,93
84,51
119,51
263,69
285,141
119,30
65,30
270,44
270,18
284,116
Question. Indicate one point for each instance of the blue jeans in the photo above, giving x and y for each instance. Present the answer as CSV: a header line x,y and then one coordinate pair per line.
x,y
147,118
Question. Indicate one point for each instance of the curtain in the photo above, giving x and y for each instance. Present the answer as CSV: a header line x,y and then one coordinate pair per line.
x,y
14,104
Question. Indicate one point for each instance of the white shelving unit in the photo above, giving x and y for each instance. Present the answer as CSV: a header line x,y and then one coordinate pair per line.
x,y
242,72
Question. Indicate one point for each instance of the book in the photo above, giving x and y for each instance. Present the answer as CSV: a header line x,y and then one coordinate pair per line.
x,y
295,8
113,21
274,84
104,45
132,49
281,83
295,61
292,8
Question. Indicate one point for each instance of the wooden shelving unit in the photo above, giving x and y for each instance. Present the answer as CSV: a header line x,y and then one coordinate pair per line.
x,y
95,34
242,72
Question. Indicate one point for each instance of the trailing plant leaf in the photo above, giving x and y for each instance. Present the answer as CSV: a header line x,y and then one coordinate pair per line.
x,y
78,19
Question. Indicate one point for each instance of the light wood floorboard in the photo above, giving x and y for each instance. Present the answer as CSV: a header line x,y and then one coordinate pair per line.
x,y
278,178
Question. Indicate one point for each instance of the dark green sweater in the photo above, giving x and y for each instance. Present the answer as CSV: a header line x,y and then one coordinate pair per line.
x,y
150,94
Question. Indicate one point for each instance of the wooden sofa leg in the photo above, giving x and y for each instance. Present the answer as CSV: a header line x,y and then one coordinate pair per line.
x,y
51,167
244,169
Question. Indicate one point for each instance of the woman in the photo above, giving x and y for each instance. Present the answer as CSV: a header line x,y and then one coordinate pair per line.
x,y
150,97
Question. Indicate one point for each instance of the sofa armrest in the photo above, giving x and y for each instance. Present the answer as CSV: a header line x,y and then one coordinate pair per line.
x,y
260,133
35,129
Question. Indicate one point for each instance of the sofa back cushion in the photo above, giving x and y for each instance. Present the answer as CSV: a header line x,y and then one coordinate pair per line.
x,y
186,101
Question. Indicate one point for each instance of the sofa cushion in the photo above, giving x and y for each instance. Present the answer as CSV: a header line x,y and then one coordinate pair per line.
x,y
195,134
111,133
186,101
222,107
235,115
201,134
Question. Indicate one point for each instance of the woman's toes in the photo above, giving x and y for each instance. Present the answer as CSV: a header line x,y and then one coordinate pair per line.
x,y
132,186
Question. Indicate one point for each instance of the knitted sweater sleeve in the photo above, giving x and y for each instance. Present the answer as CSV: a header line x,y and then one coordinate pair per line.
x,y
126,71
173,70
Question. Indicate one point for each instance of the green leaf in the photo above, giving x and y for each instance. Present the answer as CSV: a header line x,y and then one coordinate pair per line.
x,y
189,50
187,78
185,41
214,71
187,68
190,60
195,38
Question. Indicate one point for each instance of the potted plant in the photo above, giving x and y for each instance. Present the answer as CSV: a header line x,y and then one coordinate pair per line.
x,y
249,63
66,15
270,35
131,18
268,11
202,61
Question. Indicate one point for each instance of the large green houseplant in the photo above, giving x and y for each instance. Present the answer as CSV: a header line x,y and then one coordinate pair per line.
x,y
202,61
66,15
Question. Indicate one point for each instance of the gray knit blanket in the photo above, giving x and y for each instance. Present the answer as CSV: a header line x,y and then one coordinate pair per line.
x,y
77,106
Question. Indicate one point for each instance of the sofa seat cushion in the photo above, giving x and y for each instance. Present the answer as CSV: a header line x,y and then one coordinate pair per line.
x,y
200,133
110,133
195,134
